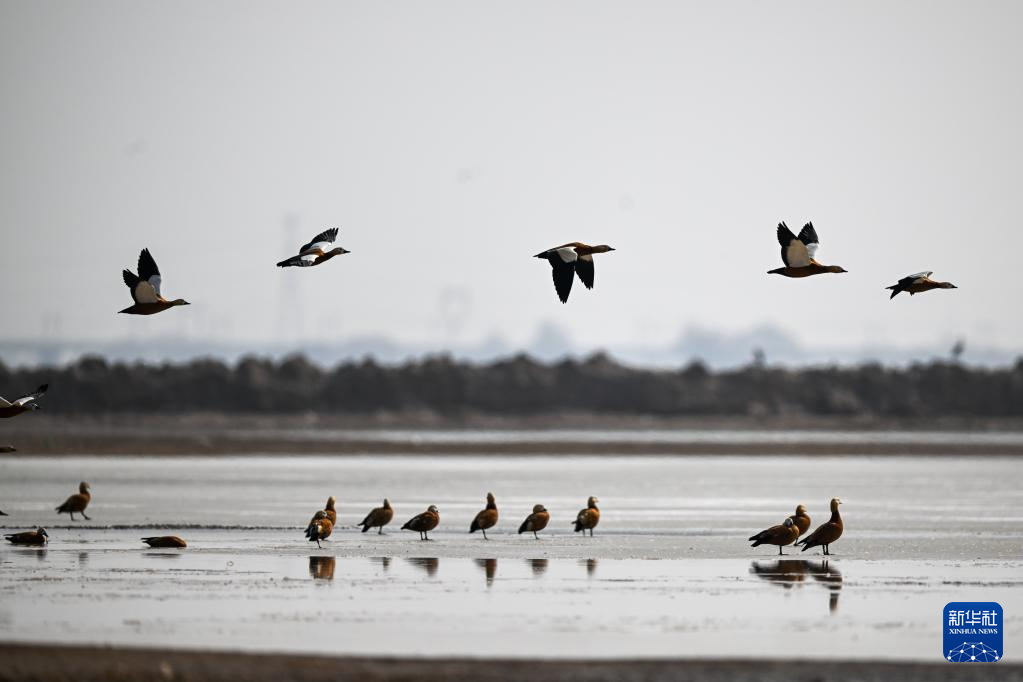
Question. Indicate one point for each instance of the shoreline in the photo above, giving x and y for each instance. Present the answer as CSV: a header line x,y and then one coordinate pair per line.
x,y
71,663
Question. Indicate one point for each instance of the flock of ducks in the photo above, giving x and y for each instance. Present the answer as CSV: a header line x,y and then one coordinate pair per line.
x,y
788,532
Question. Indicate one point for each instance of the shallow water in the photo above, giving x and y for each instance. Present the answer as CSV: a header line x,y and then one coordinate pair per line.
x,y
920,532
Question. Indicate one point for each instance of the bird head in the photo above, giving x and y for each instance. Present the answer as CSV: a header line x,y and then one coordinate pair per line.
x,y
948,285
180,301
433,508
537,508
836,268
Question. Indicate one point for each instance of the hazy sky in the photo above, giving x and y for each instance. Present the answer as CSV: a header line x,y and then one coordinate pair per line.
x,y
451,141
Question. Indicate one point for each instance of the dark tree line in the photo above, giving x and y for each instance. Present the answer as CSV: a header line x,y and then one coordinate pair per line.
x,y
521,386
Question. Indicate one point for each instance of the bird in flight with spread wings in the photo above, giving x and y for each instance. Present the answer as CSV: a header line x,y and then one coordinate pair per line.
x,y
145,288
798,253
315,252
570,259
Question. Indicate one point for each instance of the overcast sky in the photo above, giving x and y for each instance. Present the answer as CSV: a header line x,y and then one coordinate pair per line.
x,y
451,141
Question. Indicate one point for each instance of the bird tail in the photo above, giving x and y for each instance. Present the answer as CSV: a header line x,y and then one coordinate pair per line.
x,y
289,262
895,291
578,526
523,528
365,528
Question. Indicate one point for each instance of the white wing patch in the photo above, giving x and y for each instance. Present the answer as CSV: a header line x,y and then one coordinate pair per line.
x,y
568,254
798,254
309,258
316,248
920,275
811,250
146,293
154,282
24,401
4,403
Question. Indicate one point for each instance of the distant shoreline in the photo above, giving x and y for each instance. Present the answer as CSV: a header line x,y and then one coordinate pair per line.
x,y
114,664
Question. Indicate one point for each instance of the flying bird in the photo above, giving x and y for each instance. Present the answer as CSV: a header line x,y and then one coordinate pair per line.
x,y
798,253
587,519
918,284
424,523
39,536
145,288
487,518
536,521
781,535
378,518
315,252
26,403
77,502
826,533
571,259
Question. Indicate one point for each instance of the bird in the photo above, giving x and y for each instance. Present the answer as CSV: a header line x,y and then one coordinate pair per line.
x,y
39,536
330,511
798,253
378,518
26,403
487,518
319,528
587,519
77,502
168,541
801,519
424,523
8,448
315,252
572,258
918,284
145,288
536,521
781,535
826,533
3,513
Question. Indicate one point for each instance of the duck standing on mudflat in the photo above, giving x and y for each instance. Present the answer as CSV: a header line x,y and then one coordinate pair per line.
x,y
918,284
571,259
798,253
319,528
166,541
145,288
424,523
26,403
77,502
487,518
801,519
781,535
587,519
378,518
826,533
315,252
536,521
39,536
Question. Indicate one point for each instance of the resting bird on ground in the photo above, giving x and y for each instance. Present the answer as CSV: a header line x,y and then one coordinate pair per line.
x,y
536,521
319,528
26,403
378,518
165,541
424,523
826,533
781,535
801,519
39,536
77,502
572,258
145,288
330,511
316,251
587,519
798,253
918,284
487,518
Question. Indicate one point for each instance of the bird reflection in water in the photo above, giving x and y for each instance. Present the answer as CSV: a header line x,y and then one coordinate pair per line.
x,y
791,572
490,567
83,559
591,567
428,564
322,567
384,561
539,566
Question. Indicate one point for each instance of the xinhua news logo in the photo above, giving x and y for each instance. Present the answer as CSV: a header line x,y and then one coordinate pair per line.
x,y
973,632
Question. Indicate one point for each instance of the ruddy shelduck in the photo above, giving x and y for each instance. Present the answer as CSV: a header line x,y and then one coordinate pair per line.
x,y
536,521
572,259
315,252
798,253
487,518
39,536
783,534
424,523
330,511
77,502
26,403
166,541
587,519
826,533
378,518
145,288
918,284
319,528
801,519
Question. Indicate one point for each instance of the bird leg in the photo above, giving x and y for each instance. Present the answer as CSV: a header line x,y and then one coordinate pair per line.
x,y
484,533
318,544
72,516
380,531
86,517
535,535
780,553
